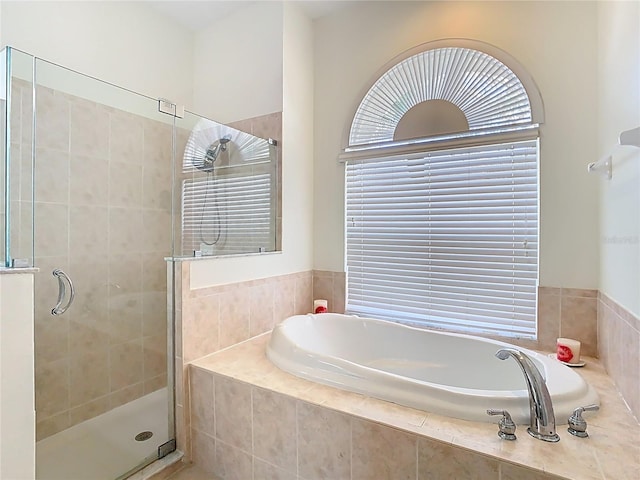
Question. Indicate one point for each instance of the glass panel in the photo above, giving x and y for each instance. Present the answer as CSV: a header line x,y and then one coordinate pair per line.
x,y
103,162
18,166
5,148
226,192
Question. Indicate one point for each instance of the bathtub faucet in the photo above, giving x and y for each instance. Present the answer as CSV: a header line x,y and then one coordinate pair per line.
x,y
542,421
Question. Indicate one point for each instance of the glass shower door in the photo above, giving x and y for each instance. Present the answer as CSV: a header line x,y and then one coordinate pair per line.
x,y
102,229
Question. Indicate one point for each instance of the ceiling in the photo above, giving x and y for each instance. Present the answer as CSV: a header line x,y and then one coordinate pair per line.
x,y
199,14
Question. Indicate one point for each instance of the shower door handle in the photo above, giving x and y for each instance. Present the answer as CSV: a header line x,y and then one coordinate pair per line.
x,y
62,277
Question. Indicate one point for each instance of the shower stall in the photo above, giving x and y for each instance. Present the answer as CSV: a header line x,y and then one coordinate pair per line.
x,y
103,189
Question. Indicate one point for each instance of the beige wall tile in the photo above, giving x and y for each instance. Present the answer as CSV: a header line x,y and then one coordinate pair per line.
x,y
261,300
233,412
124,230
628,378
324,443
52,229
549,291
157,143
284,289
203,451
514,472
304,294
438,460
90,276
52,111
232,463
87,333
89,410
234,316
548,321
578,321
126,395
87,182
52,388
579,292
202,401
339,292
154,351
265,471
126,364
156,187
125,317
52,425
52,180
274,428
382,452
125,184
51,335
323,288
125,274
154,312
200,323
89,376
183,434
156,231
126,138
89,129
155,383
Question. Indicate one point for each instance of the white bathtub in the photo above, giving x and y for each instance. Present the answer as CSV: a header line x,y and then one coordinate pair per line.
x,y
449,374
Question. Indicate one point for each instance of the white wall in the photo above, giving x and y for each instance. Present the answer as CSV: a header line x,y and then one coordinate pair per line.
x,y
296,38
238,64
619,109
555,42
125,43
17,414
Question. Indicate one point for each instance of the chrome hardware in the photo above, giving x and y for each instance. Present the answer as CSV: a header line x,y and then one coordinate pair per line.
x,y
170,108
60,275
542,424
577,424
20,263
507,429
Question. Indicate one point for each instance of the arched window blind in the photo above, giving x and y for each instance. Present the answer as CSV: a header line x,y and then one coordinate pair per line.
x,y
445,234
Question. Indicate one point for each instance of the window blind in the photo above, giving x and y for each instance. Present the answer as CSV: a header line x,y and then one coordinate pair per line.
x,y
446,239
231,214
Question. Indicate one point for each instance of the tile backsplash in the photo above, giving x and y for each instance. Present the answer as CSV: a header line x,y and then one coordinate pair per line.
x,y
619,349
215,318
211,319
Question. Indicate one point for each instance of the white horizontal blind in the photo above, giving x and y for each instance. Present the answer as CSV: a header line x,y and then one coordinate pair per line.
x,y
233,214
446,239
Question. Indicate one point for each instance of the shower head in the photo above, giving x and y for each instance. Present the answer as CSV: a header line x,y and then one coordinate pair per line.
x,y
211,155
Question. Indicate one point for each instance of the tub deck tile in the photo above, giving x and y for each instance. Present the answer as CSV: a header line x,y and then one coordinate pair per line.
x,y
612,450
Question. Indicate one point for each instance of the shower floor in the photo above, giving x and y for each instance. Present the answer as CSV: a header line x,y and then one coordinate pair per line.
x,y
104,447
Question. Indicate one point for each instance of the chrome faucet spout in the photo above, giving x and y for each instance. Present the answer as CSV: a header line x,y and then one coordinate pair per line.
x,y
542,423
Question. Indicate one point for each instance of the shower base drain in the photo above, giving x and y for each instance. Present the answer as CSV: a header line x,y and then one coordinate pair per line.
x,y
142,436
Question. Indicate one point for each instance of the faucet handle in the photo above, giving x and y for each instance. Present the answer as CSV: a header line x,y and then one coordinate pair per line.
x,y
507,429
577,424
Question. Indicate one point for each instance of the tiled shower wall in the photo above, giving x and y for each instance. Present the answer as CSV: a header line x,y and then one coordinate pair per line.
x,y
103,215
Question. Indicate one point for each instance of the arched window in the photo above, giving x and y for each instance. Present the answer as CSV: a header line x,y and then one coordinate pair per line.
x,y
442,193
